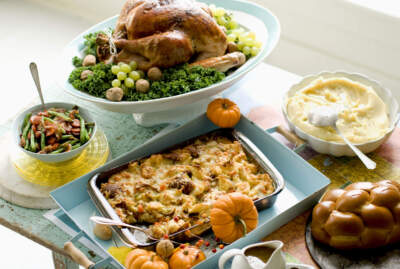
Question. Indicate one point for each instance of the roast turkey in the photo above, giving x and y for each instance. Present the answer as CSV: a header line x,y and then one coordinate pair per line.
x,y
165,33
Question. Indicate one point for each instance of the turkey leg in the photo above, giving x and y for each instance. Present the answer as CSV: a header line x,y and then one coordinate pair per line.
x,y
222,63
161,50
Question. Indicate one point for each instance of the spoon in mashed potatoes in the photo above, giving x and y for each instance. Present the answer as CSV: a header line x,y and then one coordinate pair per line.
x,y
327,116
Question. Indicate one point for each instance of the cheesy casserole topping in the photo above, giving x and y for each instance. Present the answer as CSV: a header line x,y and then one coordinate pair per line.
x,y
175,190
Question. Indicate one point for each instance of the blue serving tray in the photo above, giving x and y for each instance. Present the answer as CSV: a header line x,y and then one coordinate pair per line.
x,y
304,185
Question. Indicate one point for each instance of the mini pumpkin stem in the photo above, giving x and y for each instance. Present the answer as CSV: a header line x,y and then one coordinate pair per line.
x,y
225,105
238,219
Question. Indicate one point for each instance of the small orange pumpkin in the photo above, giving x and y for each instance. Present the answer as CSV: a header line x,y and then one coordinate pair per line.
x,y
223,113
186,258
233,215
144,259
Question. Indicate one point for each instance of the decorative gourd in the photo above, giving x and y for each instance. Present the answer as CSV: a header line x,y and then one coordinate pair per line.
x,y
233,215
186,258
165,248
223,113
144,259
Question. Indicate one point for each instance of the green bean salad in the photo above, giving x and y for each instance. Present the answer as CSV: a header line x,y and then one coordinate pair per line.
x,y
55,130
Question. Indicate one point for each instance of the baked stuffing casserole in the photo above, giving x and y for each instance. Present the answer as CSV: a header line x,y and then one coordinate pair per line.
x,y
175,190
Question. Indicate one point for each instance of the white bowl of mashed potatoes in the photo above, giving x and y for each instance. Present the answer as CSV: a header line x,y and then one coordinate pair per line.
x,y
368,111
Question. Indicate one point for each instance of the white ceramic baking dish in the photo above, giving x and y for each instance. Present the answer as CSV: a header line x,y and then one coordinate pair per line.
x,y
339,149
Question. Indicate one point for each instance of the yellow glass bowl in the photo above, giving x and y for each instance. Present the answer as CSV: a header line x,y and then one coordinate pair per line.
x,y
58,174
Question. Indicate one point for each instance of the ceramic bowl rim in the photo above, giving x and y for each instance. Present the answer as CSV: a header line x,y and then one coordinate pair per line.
x,y
16,133
343,74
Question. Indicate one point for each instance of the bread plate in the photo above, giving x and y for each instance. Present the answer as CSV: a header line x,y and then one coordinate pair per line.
x,y
340,149
249,16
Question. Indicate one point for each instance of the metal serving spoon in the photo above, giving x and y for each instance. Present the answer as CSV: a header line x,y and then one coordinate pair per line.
x,y
35,76
111,222
328,116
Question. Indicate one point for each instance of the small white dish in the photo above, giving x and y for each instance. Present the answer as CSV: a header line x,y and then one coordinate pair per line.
x,y
341,149
51,158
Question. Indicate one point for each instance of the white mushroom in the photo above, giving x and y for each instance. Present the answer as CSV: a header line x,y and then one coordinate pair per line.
x,y
89,60
85,74
154,73
142,85
115,94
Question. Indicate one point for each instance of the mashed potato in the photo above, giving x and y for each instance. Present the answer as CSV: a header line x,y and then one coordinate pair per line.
x,y
364,116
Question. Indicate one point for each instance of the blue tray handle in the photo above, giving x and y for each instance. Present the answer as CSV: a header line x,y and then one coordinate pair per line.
x,y
299,144
104,263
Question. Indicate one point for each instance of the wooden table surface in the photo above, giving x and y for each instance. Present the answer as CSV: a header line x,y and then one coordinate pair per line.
x,y
259,96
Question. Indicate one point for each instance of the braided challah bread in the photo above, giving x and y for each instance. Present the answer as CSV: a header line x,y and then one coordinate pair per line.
x,y
363,215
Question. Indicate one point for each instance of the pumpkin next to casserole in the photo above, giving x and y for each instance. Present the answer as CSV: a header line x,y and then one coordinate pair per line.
x,y
175,190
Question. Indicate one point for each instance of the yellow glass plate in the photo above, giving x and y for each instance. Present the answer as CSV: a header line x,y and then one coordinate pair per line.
x,y
57,174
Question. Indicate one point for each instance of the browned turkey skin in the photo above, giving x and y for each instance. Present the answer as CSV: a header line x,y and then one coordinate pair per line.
x,y
165,33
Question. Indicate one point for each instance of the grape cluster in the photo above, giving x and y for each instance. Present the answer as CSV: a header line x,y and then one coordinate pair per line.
x,y
127,74
245,40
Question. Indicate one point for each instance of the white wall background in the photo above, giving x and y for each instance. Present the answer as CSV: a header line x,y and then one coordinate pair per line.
x,y
338,34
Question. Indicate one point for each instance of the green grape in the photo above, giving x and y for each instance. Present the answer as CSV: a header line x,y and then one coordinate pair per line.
x,y
254,51
134,75
141,73
121,75
232,24
258,44
125,68
238,31
115,69
243,37
240,45
249,42
222,21
231,37
246,50
116,83
133,65
129,82
120,63
251,35
219,12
